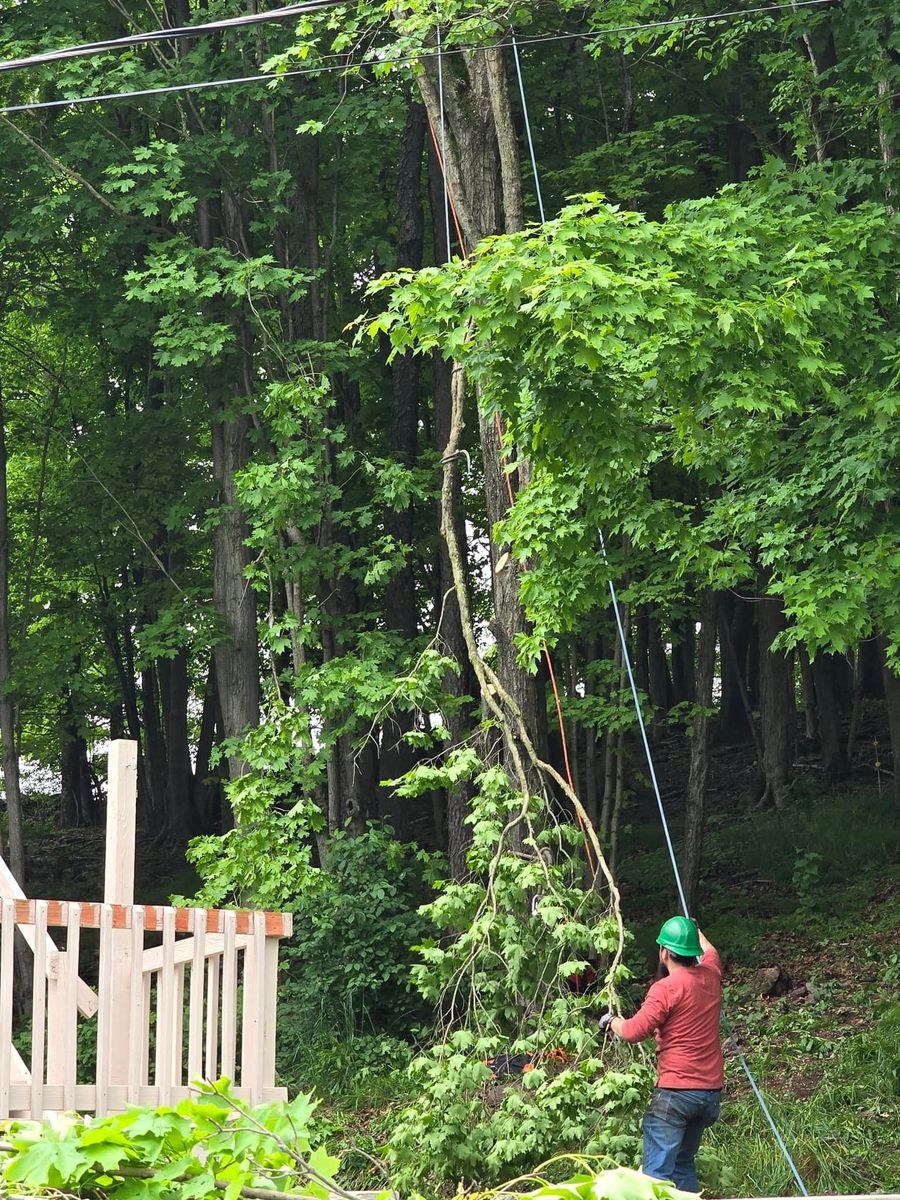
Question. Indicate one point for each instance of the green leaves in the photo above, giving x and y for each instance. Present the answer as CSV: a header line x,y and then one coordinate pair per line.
x,y
209,1145
709,387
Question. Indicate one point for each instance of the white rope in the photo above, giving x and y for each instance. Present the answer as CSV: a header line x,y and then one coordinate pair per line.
x,y
440,68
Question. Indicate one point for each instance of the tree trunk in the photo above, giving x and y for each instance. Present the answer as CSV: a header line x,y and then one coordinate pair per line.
x,y
460,684
397,756
695,812
730,661
237,653
484,181
736,626
831,742
180,816
659,676
810,714
76,792
207,785
154,747
892,703
642,650
683,681
7,699
776,699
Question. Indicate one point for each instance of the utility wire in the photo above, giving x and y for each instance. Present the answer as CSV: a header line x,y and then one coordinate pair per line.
x,y
88,49
387,60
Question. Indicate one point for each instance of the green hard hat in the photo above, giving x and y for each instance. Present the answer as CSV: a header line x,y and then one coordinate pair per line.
x,y
679,934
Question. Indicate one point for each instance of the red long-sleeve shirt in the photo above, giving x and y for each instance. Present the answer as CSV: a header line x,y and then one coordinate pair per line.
x,y
683,1010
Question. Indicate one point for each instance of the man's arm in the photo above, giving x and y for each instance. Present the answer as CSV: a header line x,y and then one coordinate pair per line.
x,y
645,1021
705,943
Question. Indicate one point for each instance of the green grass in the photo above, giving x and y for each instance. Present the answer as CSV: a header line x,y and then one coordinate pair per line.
x,y
844,1137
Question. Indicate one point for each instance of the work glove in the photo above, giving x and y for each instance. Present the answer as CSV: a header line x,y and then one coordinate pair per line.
x,y
606,1020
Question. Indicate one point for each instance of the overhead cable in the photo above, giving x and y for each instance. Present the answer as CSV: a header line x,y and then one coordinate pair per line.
x,y
387,60
167,35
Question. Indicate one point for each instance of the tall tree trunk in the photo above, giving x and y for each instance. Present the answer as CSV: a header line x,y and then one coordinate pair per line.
x,y
7,699
400,594
76,791
776,699
180,816
484,180
461,684
892,703
695,813
207,785
683,681
659,676
810,713
237,652
154,747
831,742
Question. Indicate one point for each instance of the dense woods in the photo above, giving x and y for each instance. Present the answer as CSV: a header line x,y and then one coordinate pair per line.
x,y
346,358
222,507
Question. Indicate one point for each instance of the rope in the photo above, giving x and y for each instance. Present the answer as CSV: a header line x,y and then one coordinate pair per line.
x,y
443,152
626,659
534,169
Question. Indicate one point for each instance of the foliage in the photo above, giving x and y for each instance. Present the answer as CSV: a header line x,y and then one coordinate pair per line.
x,y
515,934
347,967
157,1153
683,336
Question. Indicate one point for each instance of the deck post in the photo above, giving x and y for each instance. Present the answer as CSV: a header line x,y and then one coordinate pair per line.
x,y
118,888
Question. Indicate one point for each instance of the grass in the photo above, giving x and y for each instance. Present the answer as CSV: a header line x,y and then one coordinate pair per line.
x,y
843,1136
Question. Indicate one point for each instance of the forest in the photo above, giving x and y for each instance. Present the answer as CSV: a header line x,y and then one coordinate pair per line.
x,y
446,437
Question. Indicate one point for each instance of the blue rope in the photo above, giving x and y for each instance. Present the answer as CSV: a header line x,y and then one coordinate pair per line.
x,y
626,659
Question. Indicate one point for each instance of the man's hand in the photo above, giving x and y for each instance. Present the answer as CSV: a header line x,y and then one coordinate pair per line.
x,y
705,943
606,1021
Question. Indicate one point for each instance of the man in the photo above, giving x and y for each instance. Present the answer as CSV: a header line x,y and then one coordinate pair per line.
x,y
682,1009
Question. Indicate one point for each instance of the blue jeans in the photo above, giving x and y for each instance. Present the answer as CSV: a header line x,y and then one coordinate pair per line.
x,y
673,1126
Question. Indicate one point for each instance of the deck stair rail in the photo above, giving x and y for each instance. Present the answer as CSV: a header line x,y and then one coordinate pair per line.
x,y
184,994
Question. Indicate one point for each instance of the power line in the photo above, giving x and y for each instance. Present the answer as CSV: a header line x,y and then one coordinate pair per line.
x,y
405,60
166,35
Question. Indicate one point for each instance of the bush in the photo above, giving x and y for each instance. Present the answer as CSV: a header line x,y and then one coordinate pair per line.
x,y
465,1128
347,967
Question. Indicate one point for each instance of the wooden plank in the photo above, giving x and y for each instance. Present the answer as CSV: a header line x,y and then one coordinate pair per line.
x,y
104,1015
270,1005
254,1013
70,1013
7,966
198,944
229,1000
214,974
39,1011
118,889
278,925
144,1043
214,943
139,1028
178,1034
165,1012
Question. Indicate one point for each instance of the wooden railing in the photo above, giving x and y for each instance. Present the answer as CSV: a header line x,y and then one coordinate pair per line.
x,y
199,1004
